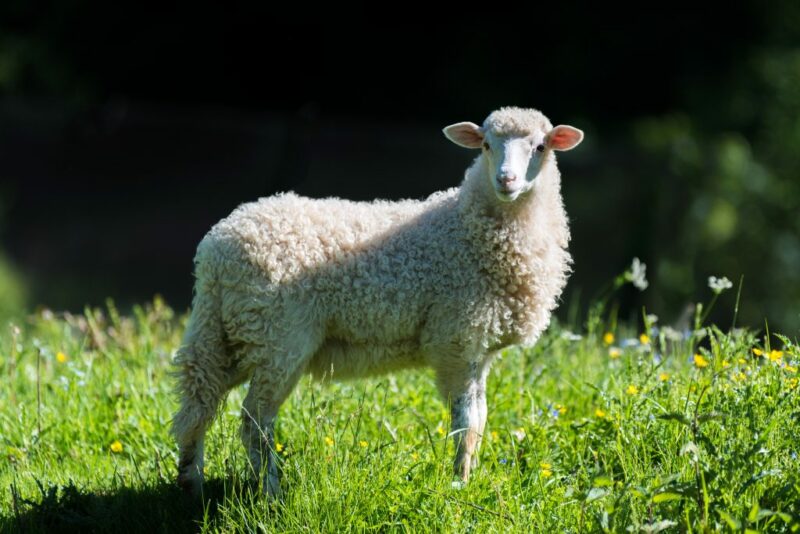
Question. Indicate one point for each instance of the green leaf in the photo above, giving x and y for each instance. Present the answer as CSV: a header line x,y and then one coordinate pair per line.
x,y
675,416
603,481
764,513
666,497
638,491
709,416
733,523
596,493
753,515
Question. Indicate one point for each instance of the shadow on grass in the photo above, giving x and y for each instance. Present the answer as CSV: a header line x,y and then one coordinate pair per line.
x,y
162,507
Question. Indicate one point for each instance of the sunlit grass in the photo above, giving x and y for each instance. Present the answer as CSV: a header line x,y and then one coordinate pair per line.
x,y
616,427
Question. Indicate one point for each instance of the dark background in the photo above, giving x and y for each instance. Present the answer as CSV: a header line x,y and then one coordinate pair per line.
x,y
125,133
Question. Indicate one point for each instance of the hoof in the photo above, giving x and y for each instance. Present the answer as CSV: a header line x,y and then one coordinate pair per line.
x,y
458,484
272,488
190,485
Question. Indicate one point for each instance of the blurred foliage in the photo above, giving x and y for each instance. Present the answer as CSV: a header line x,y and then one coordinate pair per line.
x,y
12,291
730,179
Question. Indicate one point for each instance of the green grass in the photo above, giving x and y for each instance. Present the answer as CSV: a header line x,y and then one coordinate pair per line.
x,y
576,440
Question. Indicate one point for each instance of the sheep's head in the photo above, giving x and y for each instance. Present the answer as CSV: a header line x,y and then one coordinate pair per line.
x,y
516,143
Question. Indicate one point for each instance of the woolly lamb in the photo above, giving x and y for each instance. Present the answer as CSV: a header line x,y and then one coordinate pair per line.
x,y
289,285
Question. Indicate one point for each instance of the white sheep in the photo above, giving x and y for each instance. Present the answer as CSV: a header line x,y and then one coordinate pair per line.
x,y
289,285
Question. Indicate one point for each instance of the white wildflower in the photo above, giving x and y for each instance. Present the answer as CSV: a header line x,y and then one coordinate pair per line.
x,y
570,336
718,285
700,333
652,528
671,334
636,274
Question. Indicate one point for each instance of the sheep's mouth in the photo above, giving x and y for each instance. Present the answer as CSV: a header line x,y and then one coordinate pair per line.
x,y
510,194
507,195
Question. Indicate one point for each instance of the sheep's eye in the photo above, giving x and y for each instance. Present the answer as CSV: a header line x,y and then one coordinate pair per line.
x,y
540,148
486,146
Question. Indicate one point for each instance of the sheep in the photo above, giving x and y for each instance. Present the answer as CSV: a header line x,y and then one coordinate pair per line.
x,y
289,285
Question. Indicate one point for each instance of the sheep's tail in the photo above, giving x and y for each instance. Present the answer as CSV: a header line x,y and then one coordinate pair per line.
x,y
200,361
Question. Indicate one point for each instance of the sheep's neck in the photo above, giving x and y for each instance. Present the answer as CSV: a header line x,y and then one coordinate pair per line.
x,y
519,231
515,245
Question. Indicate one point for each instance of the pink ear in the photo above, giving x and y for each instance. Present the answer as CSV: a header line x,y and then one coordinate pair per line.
x,y
466,134
563,138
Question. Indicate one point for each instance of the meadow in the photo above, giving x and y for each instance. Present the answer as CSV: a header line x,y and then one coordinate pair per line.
x,y
599,427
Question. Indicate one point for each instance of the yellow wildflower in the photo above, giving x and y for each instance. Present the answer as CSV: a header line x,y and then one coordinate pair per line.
x,y
599,413
116,446
362,444
663,377
441,431
608,338
739,377
742,361
758,352
61,357
699,361
494,435
329,441
775,355
792,382
614,353
414,456
546,469
644,339
561,409
278,446
632,390
725,364
790,369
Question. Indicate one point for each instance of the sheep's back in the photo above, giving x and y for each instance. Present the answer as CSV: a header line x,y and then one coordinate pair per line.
x,y
286,236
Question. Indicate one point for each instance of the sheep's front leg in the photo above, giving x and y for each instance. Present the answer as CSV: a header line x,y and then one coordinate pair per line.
x,y
482,415
465,427
464,387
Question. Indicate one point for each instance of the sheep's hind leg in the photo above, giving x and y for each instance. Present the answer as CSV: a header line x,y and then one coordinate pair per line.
x,y
267,393
202,391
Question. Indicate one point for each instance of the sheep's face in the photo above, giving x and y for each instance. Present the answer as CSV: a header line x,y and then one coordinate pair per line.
x,y
513,163
513,160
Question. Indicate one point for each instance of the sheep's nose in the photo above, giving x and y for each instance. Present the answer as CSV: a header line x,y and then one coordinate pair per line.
x,y
507,178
